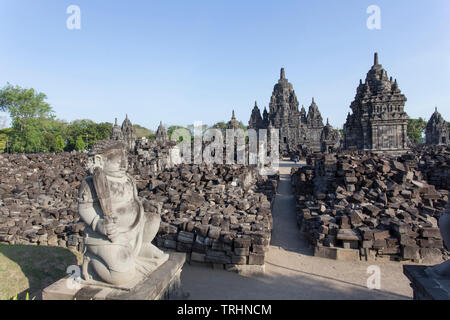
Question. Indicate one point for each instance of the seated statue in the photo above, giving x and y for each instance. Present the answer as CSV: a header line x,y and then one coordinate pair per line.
x,y
118,233
443,270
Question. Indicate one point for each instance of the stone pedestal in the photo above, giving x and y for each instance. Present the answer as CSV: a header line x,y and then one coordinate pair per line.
x,y
162,284
426,287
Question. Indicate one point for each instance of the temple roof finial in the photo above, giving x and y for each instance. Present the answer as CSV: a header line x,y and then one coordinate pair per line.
x,y
375,60
116,122
328,123
233,116
313,100
282,74
126,116
435,109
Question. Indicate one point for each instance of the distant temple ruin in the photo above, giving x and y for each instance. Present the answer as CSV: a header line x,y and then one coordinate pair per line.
x,y
299,132
161,135
437,132
233,123
379,121
125,133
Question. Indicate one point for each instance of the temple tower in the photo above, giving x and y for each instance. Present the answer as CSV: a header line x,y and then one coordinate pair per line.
x,y
437,132
116,133
378,121
233,124
161,135
129,134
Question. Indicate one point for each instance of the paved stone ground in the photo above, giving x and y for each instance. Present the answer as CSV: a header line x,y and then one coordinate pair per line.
x,y
291,270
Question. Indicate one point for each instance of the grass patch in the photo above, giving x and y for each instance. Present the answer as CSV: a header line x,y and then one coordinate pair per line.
x,y
29,269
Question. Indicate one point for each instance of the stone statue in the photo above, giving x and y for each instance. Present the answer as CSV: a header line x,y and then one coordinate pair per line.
x,y
119,231
443,270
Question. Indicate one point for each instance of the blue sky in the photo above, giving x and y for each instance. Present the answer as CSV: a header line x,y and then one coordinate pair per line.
x,y
185,61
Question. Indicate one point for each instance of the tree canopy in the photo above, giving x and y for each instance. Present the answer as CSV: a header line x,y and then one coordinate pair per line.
x,y
416,129
35,129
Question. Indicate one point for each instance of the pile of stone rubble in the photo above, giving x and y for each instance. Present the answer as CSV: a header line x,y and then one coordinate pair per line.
x,y
378,205
219,215
434,163
38,199
151,157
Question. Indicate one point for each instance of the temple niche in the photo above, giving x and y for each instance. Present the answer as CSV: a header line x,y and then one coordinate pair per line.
x,y
330,139
437,132
126,133
379,121
299,131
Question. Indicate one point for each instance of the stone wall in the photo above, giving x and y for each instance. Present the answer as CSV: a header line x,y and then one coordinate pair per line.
x,y
378,205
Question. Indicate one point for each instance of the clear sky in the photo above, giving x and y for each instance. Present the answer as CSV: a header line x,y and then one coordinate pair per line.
x,y
185,61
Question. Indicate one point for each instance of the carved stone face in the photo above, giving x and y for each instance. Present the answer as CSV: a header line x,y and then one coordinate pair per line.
x,y
114,162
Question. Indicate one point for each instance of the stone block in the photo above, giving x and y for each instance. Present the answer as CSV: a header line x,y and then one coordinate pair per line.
x,y
431,255
246,270
256,259
185,237
337,253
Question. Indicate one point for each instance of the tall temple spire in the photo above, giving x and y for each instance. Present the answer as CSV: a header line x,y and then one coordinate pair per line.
x,y
282,74
375,59
116,123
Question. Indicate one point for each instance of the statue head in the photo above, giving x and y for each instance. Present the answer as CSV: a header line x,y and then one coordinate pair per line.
x,y
110,155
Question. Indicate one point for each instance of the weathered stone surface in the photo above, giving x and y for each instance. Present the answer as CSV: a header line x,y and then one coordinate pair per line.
x,y
391,209
300,132
436,132
378,121
38,201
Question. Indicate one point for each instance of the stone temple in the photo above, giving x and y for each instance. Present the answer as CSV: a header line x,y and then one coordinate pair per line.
x,y
161,135
299,131
437,132
233,123
125,133
378,122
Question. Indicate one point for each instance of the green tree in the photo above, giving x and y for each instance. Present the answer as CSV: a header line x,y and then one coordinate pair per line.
x,y
29,113
5,138
59,144
79,144
89,130
416,128
24,103
220,125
